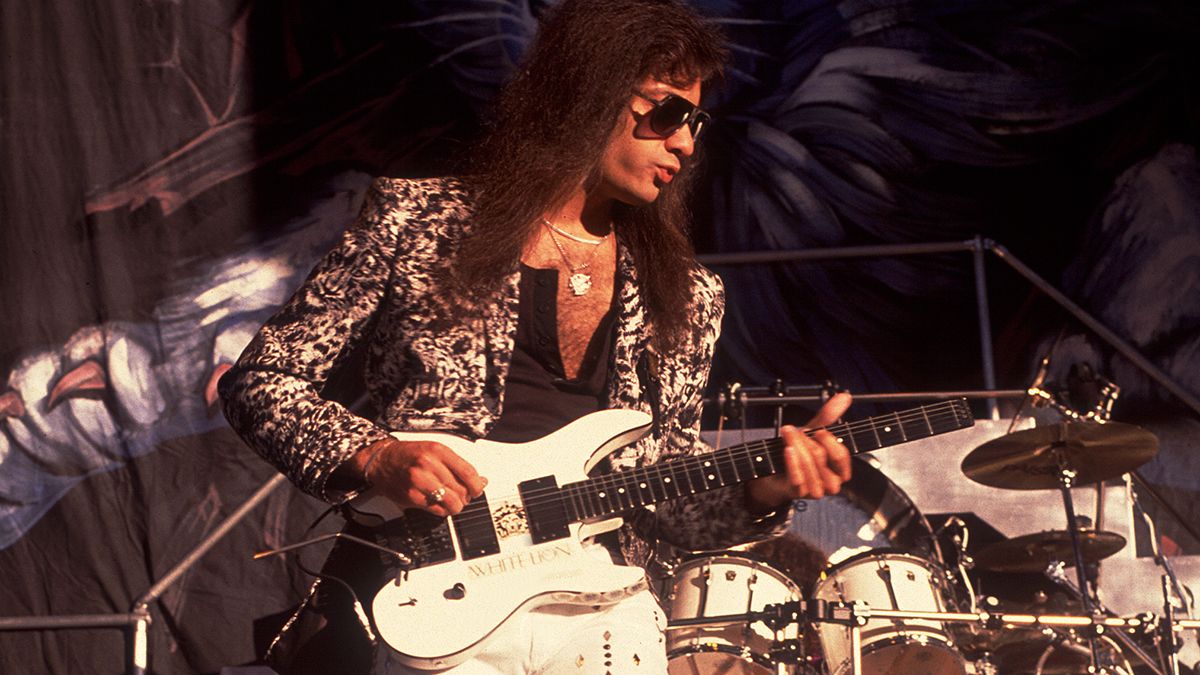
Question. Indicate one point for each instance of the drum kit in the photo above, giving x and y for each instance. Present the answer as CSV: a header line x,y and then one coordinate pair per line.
x,y
912,610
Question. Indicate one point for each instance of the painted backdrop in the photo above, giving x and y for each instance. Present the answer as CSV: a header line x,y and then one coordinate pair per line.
x,y
170,171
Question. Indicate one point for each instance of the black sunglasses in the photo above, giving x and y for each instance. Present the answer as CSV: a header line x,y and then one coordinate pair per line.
x,y
673,112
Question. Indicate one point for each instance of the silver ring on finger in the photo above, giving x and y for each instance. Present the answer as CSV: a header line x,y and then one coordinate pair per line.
x,y
435,497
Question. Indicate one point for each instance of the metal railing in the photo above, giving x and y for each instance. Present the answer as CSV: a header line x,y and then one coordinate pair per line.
x,y
977,247
139,616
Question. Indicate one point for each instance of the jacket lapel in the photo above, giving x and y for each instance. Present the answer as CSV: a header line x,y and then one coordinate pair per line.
x,y
625,389
500,333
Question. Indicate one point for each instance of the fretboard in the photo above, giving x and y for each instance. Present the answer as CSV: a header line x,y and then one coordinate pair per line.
x,y
619,491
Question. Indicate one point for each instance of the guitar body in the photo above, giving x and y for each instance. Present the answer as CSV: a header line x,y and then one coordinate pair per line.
x,y
439,616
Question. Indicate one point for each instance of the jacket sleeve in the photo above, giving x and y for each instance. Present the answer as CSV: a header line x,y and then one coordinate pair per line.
x,y
272,395
711,520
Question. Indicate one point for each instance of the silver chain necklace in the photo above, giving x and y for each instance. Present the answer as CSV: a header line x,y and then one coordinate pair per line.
x,y
580,281
575,237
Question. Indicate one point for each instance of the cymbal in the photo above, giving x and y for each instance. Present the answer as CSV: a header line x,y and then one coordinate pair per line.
x,y
1034,552
1027,459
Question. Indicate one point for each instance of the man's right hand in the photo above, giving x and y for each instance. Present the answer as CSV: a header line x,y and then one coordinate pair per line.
x,y
414,473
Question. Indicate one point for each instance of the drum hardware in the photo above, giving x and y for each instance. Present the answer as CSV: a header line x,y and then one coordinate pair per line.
x,y
858,614
1148,625
1063,455
961,538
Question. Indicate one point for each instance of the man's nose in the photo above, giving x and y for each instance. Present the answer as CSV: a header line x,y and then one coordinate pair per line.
x,y
681,141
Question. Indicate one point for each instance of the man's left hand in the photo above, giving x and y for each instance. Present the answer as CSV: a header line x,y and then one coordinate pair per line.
x,y
816,464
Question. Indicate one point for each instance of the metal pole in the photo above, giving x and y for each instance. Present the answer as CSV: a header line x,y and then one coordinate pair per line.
x,y
835,253
750,398
141,606
73,621
984,313
856,649
1126,350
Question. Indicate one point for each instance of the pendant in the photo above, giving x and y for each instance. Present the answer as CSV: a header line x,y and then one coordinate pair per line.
x,y
580,283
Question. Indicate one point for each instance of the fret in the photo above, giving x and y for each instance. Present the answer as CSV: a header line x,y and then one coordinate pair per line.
x,y
710,473
572,493
645,493
911,428
943,418
696,476
671,482
600,494
685,472
594,501
768,456
742,463
841,432
628,488
891,432
653,479
730,461
863,439
607,495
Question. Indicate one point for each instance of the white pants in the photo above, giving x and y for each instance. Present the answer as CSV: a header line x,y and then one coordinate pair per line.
x,y
626,637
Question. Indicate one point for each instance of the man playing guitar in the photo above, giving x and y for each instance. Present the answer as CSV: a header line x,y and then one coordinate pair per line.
x,y
553,280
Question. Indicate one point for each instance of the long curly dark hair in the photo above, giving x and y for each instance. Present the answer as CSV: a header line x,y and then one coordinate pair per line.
x,y
549,127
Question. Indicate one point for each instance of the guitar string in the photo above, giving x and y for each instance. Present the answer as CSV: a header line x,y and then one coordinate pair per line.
x,y
724,461
725,458
572,496
685,466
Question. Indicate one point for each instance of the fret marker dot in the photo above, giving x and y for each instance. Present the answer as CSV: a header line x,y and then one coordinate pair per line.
x,y
621,491
842,441
758,459
667,479
602,495
708,464
711,477
887,428
642,485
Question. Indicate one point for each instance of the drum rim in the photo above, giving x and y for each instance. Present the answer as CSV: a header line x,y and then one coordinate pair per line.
x,y
887,552
749,555
778,574
892,641
743,653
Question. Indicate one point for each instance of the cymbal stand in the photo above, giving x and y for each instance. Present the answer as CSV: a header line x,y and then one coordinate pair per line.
x,y
1170,645
1056,573
1066,477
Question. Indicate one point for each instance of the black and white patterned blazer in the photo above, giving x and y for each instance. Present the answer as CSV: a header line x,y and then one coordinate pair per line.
x,y
379,287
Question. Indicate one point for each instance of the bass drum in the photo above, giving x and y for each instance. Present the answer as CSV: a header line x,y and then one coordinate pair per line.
x,y
870,512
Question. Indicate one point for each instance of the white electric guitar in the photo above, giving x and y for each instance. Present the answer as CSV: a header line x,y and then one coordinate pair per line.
x,y
517,546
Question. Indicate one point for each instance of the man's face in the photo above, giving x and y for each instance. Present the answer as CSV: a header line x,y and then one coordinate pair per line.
x,y
638,163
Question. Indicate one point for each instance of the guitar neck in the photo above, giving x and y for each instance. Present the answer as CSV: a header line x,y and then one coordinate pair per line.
x,y
619,491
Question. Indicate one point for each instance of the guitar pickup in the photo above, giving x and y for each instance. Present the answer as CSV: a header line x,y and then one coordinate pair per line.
x,y
545,509
476,533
